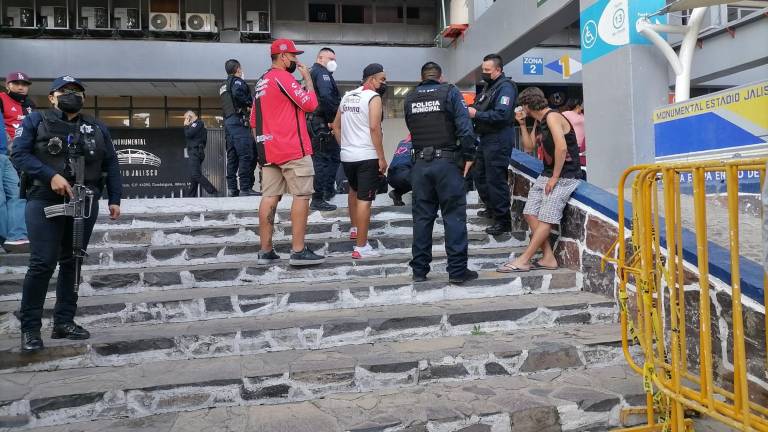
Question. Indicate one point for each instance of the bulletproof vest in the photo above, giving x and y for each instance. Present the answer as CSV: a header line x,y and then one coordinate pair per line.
x,y
227,100
486,101
53,129
428,119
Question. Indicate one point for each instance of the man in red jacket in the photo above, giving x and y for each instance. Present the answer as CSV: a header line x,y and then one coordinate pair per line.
x,y
284,149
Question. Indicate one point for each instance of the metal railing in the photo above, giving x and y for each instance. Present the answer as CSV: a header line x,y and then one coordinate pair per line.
x,y
652,299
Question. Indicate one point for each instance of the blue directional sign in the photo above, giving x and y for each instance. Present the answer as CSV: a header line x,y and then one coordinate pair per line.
x,y
533,66
609,25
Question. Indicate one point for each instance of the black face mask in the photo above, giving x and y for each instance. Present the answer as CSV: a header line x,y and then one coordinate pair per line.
x,y
486,77
291,67
18,97
382,90
70,103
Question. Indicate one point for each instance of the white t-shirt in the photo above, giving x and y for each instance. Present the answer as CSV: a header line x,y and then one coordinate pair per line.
x,y
356,143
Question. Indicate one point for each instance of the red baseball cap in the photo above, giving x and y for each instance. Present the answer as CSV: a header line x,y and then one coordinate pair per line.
x,y
281,46
18,76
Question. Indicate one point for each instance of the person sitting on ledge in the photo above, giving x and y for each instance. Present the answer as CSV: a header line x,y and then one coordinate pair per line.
x,y
550,192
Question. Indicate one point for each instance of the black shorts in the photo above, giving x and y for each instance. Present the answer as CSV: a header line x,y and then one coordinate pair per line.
x,y
363,177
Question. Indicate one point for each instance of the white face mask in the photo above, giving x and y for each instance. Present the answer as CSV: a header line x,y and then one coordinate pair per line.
x,y
332,66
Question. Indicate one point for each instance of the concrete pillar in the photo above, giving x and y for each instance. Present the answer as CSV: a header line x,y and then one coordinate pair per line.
x,y
621,90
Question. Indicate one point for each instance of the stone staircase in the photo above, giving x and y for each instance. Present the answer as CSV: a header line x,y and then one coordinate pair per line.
x,y
190,333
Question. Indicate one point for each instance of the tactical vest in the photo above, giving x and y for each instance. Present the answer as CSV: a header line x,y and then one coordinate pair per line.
x,y
227,100
428,119
54,128
486,102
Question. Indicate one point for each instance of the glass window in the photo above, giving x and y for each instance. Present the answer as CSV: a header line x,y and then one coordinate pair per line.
x,y
389,14
287,11
423,15
211,102
355,14
184,102
213,119
115,118
113,102
89,102
148,102
322,13
42,102
148,118
176,118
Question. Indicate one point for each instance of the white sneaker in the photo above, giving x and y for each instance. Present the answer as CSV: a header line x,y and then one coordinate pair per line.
x,y
365,252
353,233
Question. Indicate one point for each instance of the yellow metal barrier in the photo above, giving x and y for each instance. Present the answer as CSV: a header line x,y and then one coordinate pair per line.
x,y
652,300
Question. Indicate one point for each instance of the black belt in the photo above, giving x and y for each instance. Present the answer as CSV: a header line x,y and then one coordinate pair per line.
x,y
437,154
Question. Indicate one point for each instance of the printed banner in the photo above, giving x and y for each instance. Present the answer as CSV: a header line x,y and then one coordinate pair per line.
x,y
152,161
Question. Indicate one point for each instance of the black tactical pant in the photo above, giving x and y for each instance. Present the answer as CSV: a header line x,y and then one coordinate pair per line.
x,y
50,243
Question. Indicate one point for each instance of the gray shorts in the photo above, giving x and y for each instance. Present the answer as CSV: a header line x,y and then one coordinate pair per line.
x,y
549,208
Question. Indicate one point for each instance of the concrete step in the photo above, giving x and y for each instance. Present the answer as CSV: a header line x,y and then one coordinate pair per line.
x,y
195,304
242,244
565,374
140,278
285,331
171,214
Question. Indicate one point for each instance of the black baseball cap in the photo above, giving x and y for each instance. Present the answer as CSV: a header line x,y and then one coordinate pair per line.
x,y
372,69
65,80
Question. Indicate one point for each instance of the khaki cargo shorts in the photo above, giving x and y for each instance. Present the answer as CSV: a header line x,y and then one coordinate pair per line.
x,y
295,177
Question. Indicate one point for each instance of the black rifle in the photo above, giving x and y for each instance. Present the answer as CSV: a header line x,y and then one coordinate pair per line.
x,y
80,206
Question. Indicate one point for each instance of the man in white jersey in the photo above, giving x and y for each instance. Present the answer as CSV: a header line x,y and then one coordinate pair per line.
x,y
357,127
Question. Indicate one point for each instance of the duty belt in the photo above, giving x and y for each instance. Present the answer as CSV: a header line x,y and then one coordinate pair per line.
x,y
429,153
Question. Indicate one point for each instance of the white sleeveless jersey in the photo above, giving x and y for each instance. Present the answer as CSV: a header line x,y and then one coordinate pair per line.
x,y
356,143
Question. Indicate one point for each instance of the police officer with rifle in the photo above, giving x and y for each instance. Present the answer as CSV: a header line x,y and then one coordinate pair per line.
x,y
443,152
67,159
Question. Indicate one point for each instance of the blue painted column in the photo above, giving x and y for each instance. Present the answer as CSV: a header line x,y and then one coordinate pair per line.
x,y
625,79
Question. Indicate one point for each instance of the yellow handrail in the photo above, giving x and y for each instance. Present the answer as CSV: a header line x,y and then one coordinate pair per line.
x,y
652,279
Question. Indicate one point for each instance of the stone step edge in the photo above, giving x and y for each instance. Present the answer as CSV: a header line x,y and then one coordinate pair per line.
x,y
244,272
294,386
328,296
117,255
340,211
259,337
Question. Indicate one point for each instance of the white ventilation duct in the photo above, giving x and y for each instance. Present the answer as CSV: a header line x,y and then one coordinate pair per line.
x,y
459,12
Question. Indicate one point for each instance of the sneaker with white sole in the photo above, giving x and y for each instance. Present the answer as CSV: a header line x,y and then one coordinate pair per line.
x,y
353,233
16,246
306,258
365,252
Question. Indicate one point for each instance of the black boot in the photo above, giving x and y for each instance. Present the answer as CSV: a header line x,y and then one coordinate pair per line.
x,y
318,204
499,228
69,331
234,192
31,341
249,192
397,199
466,277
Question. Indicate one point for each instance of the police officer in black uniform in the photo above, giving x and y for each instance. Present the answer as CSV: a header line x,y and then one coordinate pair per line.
x,y
236,100
326,157
493,115
197,137
40,152
437,118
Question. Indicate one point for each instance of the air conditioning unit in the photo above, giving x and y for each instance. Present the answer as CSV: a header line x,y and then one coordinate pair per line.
x,y
126,19
257,22
163,21
93,17
20,17
201,22
54,17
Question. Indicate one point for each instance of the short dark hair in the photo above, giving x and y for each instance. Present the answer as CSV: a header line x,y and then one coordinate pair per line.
x,y
572,103
275,56
231,66
326,49
431,70
533,98
496,59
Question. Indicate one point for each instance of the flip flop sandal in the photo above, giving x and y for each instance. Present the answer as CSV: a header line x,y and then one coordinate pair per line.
x,y
510,268
536,265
